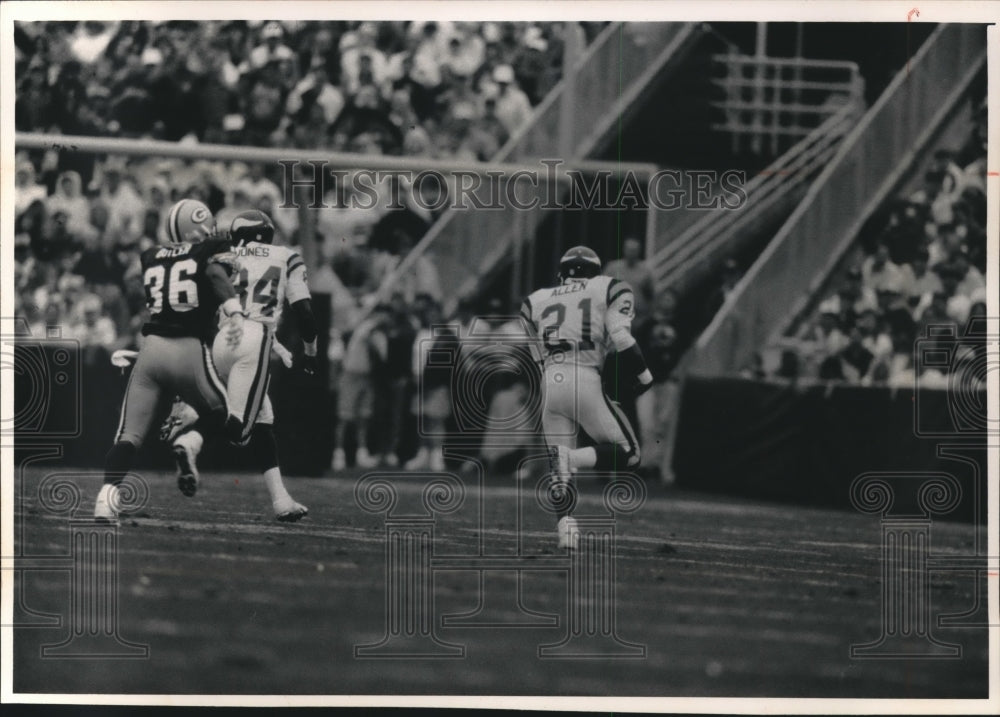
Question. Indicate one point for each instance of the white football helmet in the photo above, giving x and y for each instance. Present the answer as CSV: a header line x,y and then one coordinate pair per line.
x,y
190,221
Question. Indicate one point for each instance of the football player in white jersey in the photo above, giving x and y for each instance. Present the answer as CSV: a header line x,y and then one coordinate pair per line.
x,y
579,322
265,276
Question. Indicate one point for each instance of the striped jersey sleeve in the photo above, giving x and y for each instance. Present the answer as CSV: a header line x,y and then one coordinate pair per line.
x,y
297,285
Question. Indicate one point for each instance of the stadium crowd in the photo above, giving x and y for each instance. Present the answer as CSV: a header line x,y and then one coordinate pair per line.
x,y
439,90
443,90
920,263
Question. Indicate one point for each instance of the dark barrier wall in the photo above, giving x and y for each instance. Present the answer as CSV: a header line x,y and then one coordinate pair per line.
x,y
806,444
71,396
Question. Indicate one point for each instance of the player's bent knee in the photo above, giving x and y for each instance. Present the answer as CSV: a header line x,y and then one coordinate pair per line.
x,y
233,430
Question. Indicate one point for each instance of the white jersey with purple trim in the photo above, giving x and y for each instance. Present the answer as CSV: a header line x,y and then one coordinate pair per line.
x,y
575,320
266,275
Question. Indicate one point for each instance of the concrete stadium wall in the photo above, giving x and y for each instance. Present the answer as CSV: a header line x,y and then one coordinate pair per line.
x,y
806,444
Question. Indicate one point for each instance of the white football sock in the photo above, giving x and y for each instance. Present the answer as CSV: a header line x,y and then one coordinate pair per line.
x,y
582,458
191,440
275,486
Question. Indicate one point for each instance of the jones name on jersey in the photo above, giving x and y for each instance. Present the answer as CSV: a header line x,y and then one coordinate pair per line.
x,y
266,275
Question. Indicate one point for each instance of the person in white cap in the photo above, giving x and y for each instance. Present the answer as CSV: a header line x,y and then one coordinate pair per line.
x,y
272,49
513,107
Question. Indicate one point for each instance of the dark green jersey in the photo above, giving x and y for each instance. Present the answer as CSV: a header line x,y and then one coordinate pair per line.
x,y
179,296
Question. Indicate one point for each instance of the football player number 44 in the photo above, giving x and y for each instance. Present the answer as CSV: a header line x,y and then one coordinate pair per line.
x,y
551,333
264,291
178,289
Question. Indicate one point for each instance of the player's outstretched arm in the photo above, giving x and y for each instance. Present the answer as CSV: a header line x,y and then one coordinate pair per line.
x,y
300,301
621,303
230,305
306,321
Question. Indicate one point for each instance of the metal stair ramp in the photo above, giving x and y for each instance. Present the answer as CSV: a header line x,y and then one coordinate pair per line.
x,y
466,245
866,168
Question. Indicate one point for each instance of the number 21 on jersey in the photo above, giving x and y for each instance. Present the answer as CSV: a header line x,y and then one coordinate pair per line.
x,y
551,332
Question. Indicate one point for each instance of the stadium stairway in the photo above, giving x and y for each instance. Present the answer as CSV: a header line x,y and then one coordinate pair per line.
x,y
615,72
867,167
806,442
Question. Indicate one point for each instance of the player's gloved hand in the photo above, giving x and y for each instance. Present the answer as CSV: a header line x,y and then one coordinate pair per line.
x,y
308,365
234,330
643,382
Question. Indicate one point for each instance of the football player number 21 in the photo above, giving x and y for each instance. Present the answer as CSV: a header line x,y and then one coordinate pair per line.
x,y
550,334
177,291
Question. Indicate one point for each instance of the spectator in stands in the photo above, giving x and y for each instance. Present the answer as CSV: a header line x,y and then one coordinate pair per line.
x,y
361,62
823,337
855,360
364,358
488,134
392,382
969,277
531,64
432,397
656,409
68,201
513,107
225,82
91,39
494,376
631,268
731,275
26,189
393,238
918,284
464,54
878,272
947,238
854,297
255,186
35,98
95,332
957,305
98,262
264,104
273,48
126,210
903,333
316,84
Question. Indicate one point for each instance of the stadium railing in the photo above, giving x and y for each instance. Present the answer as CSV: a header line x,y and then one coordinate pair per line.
x,y
867,167
686,258
304,193
774,101
468,245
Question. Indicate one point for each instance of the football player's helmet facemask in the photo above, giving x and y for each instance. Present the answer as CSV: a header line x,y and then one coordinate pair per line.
x,y
190,221
579,262
252,225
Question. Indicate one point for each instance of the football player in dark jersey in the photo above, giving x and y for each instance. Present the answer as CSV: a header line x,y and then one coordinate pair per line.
x,y
186,282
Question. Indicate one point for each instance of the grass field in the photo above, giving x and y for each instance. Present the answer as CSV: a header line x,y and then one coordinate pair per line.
x,y
730,598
